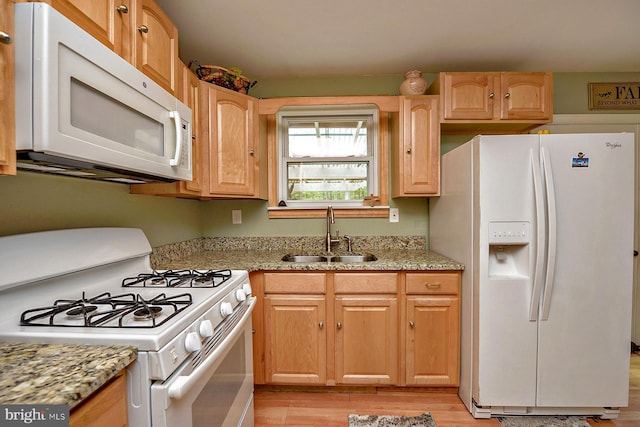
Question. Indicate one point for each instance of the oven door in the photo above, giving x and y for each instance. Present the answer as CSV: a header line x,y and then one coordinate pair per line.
x,y
216,391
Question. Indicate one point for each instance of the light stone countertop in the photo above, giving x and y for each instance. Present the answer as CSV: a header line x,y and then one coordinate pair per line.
x,y
58,373
264,260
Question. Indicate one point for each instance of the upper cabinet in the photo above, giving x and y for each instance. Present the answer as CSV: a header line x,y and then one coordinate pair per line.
x,y
232,127
189,94
156,44
497,102
106,20
415,154
7,96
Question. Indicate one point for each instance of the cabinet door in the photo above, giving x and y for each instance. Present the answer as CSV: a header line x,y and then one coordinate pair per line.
x,y
366,340
526,96
295,339
156,44
469,96
7,97
105,20
432,346
416,157
232,129
191,97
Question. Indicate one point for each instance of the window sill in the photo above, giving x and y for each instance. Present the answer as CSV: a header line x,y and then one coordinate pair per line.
x,y
351,212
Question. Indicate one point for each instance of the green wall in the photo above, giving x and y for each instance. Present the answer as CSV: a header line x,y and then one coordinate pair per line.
x,y
33,202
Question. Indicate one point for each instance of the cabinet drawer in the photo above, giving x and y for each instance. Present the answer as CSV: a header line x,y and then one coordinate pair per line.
x,y
366,283
295,283
433,283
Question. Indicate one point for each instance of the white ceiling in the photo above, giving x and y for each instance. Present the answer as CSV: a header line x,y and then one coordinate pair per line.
x,y
323,38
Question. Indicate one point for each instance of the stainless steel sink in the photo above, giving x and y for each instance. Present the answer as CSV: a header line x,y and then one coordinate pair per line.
x,y
330,258
304,258
354,258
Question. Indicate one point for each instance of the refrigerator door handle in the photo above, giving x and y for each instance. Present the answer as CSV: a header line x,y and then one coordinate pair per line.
x,y
540,228
551,248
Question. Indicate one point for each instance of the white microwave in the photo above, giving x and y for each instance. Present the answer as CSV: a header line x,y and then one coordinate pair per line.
x,y
82,110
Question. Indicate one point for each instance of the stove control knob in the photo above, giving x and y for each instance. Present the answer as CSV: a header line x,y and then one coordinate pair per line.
x,y
206,329
240,295
247,289
226,309
192,342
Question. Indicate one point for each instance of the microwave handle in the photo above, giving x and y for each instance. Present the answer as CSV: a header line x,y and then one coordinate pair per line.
x,y
175,115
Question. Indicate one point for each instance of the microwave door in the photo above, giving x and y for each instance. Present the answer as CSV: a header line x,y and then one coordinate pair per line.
x,y
92,105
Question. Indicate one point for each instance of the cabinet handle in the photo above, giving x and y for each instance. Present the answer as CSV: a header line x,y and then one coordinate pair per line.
x,y
507,95
5,38
143,29
251,153
491,95
409,150
339,325
411,323
321,325
433,285
122,8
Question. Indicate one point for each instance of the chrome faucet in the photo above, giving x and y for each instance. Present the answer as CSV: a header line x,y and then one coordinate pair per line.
x,y
331,220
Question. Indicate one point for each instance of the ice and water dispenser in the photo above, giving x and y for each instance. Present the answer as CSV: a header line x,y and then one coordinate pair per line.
x,y
509,249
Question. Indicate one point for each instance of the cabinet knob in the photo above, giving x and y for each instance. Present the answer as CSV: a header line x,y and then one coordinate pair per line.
x,y
411,323
143,29
491,95
251,153
5,38
408,150
433,285
122,8
507,95
321,325
339,325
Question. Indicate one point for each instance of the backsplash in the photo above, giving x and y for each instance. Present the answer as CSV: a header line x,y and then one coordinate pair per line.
x,y
167,253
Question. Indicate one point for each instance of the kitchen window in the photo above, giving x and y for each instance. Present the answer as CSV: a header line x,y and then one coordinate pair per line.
x,y
327,155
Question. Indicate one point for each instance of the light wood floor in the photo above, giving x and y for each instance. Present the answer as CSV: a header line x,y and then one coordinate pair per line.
x,y
324,409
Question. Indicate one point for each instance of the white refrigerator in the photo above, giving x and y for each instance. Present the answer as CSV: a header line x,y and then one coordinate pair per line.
x,y
544,227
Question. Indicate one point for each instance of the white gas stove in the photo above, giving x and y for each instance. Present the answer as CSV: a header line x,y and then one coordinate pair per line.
x,y
96,286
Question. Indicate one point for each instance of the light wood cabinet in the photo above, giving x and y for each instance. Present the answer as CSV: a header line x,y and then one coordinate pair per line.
x,y
233,161
7,92
366,339
108,21
502,101
432,330
155,40
296,339
357,328
189,94
107,408
416,148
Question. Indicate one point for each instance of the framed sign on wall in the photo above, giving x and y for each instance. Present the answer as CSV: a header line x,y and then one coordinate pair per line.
x,y
614,96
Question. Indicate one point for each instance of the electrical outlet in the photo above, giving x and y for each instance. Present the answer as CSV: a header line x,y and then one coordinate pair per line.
x,y
236,216
394,215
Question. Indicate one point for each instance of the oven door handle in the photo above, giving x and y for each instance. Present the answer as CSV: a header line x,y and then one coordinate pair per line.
x,y
181,385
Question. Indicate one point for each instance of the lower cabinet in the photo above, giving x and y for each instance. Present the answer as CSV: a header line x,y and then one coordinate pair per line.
x,y
107,408
433,312
348,328
295,339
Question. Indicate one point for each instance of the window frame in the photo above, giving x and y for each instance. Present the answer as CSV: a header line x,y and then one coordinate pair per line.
x,y
292,115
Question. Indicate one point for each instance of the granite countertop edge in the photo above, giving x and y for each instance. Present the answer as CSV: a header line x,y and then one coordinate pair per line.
x,y
58,374
269,260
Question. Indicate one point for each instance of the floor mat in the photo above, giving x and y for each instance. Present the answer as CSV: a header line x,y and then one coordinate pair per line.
x,y
423,420
541,421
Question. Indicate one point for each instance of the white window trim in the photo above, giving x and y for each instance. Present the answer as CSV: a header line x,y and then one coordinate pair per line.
x,y
346,110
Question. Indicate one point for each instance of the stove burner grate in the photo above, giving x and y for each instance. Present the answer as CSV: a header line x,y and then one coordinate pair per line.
x,y
107,311
179,278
